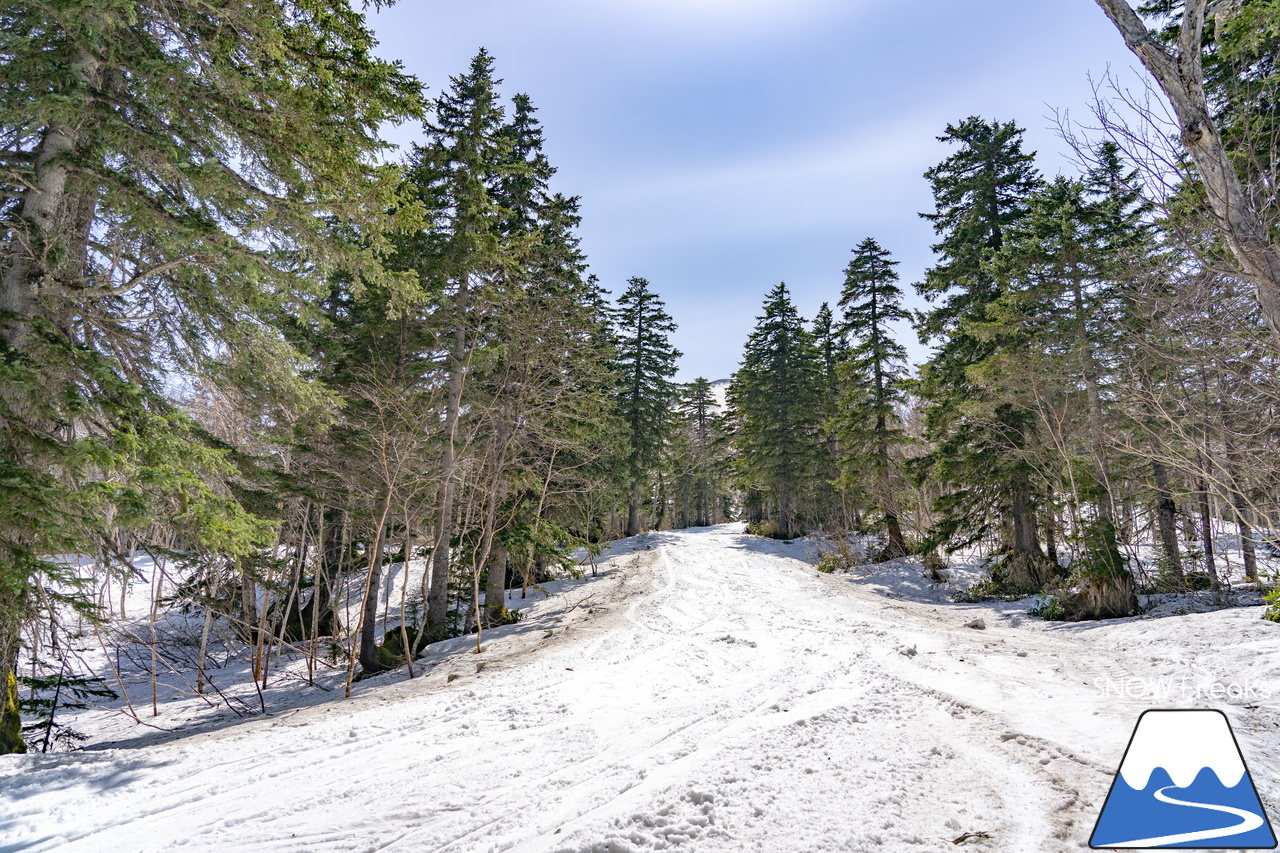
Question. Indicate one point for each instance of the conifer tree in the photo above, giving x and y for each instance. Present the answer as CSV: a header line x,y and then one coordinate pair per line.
x,y
832,346
777,395
1064,272
468,156
980,440
646,365
701,459
872,376
176,177
831,339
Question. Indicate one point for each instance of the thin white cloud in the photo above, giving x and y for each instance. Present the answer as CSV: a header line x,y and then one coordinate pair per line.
x,y
809,184
710,17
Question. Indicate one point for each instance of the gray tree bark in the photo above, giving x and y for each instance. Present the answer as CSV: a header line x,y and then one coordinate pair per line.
x,y
1180,76
1167,518
437,594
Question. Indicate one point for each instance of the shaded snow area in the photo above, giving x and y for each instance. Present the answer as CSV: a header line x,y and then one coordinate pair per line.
x,y
709,691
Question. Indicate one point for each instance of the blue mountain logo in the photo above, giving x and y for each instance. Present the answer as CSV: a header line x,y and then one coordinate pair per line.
x,y
1183,783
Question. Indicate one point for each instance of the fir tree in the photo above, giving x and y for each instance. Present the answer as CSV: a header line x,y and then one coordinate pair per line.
x,y
980,440
872,377
176,178
777,395
646,365
1063,274
457,174
700,459
832,347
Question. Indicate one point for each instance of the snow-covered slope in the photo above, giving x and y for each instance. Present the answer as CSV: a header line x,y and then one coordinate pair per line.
x,y
709,692
720,391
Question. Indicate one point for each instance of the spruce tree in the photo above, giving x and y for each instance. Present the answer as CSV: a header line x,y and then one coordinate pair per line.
x,y
457,173
777,395
701,461
1064,273
980,440
176,177
830,340
872,376
646,366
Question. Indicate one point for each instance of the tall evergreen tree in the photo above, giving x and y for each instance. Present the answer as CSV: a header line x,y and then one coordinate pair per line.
x,y
702,459
777,394
832,345
457,173
1064,277
646,366
981,440
176,177
872,377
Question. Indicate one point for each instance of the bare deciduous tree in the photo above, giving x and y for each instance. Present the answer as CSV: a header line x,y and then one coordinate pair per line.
x,y
1179,71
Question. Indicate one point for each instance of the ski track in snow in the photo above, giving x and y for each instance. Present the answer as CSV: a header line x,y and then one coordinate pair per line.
x,y
711,693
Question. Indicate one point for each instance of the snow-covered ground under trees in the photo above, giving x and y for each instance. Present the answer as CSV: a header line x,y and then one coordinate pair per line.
x,y
709,691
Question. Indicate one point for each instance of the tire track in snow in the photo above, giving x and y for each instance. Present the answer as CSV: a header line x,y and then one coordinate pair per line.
x,y
722,697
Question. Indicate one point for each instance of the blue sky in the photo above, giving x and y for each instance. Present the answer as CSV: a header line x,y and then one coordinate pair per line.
x,y
722,146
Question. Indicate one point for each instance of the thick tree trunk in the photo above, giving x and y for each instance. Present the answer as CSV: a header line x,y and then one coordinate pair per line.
x,y
633,512
1026,540
1024,570
25,264
1167,519
10,720
785,522
896,545
1181,77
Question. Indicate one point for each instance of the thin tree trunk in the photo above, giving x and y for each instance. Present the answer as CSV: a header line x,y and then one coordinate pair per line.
x,y
204,634
369,605
369,614
1240,507
1206,527
438,593
495,591
404,592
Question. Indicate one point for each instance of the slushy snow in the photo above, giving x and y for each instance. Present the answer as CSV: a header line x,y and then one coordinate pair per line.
x,y
710,691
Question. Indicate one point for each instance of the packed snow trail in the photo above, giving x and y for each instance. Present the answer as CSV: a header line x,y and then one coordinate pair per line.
x,y
709,692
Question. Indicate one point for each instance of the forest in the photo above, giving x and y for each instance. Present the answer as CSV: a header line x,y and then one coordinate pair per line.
x,y
245,339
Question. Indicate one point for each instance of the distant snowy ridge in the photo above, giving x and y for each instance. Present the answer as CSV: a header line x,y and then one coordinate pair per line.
x,y
720,393
1183,743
